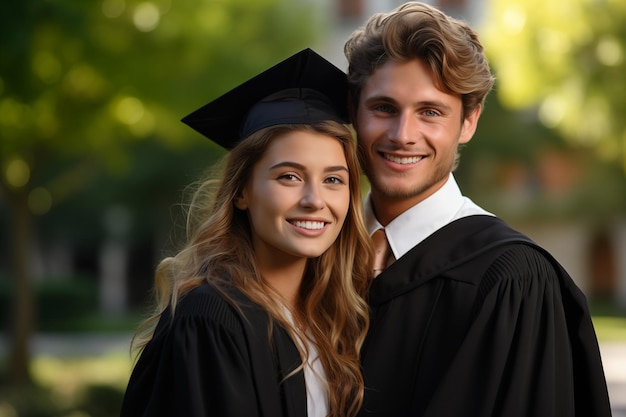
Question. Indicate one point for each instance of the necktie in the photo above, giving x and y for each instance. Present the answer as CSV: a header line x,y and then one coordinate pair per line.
x,y
381,251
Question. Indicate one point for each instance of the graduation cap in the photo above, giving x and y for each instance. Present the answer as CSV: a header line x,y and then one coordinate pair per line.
x,y
303,89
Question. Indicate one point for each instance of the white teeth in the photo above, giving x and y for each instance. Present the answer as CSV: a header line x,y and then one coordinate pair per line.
x,y
308,224
404,160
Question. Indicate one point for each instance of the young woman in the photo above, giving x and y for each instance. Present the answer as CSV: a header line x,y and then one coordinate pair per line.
x,y
262,312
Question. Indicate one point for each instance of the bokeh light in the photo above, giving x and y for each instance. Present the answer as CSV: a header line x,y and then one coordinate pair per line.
x,y
17,173
146,16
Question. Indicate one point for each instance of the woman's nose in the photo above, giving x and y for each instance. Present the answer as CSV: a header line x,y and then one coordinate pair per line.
x,y
312,197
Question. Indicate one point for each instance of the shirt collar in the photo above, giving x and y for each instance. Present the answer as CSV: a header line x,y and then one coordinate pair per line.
x,y
420,221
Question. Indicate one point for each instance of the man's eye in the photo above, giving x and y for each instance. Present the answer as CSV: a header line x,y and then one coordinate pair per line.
x,y
385,108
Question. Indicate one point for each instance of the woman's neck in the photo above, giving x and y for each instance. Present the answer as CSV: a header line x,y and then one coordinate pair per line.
x,y
286,279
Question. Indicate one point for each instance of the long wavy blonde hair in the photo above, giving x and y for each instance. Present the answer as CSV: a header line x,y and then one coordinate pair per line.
x,y
333,312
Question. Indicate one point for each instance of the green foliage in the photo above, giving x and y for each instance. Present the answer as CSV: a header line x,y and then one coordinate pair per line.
x,y
566,58
61,302
84,80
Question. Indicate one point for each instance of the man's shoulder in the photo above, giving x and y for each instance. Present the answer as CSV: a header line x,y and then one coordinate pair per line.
x,y
469,242
483,233
483,226
471,236
490,242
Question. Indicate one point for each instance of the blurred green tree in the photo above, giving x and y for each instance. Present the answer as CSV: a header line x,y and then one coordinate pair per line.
x,y
567,59
82,83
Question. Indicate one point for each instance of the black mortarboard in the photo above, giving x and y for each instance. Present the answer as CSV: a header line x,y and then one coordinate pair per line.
x,y
303,89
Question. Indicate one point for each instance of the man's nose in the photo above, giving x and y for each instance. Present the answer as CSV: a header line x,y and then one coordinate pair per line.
x,y
405,129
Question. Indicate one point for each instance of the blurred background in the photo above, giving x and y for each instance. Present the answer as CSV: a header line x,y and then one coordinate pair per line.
x,y
94,161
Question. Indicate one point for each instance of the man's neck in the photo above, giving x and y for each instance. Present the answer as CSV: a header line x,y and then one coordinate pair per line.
x,y
387,208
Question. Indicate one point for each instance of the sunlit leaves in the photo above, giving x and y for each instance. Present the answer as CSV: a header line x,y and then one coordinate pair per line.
x,y
566,59
85,79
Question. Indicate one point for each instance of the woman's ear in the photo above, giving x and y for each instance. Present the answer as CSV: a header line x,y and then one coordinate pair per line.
x,y
241,202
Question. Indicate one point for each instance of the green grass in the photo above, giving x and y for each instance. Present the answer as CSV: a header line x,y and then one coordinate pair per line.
x,y
68,375
610,329
609,320
70,387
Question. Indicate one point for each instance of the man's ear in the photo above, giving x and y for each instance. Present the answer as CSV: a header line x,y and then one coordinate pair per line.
x,y
469,125
352,108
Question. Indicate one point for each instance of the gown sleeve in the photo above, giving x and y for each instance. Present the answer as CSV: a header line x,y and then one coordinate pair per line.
x,y
195,365
517,358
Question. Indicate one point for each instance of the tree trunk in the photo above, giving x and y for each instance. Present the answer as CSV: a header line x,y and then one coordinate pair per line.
x,y
23,297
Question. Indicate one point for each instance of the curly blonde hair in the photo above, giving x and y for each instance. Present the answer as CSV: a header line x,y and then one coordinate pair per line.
x,y
416,30
332,297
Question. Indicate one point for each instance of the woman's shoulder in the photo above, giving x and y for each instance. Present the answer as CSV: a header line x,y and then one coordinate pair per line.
x,y
227,306
207,303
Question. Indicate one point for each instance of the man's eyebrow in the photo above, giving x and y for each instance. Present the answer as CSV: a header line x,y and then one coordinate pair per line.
x,y
421,103
380,98
435,103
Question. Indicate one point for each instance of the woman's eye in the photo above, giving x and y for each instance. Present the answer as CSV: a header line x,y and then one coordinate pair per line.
x,y
335,180
288,177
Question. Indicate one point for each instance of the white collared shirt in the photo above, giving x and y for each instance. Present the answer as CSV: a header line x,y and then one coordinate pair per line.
x,y
420,221
316,383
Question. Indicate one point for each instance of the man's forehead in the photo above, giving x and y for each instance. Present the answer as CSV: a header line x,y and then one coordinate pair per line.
x,y
405,80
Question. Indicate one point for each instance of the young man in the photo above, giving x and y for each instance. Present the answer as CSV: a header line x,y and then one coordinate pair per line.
x,y
469,317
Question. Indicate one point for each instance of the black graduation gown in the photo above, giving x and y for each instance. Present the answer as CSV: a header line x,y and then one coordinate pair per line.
x,y
210,360
477,321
